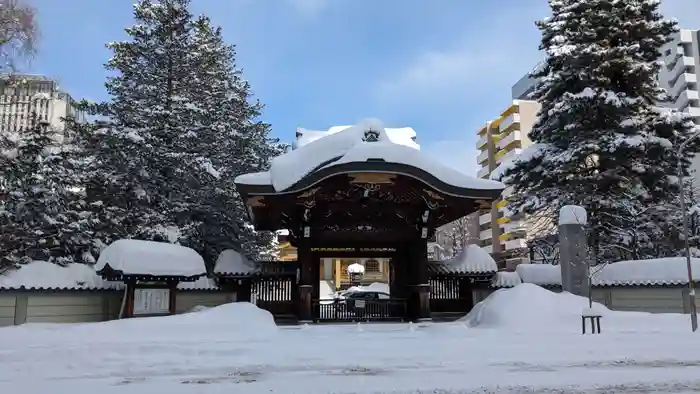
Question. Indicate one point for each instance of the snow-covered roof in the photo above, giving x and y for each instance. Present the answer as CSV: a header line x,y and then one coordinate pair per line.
x,y
231,262
668,271
202,283
540,274
664,271
351,145
402,136
42,275
136,257
506,279
471,260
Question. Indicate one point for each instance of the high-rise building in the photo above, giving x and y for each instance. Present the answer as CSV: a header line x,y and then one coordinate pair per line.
x,y
679,76
501,140
525,85
23,95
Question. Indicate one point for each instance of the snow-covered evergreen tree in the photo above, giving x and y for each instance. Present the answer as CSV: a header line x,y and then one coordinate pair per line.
x,y
600,140
42,213
179,128
233,142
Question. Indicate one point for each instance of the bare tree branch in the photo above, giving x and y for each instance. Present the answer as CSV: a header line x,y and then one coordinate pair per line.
x,y
18,34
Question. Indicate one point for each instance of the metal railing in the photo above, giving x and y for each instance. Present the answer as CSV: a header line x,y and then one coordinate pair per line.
x,y
360,310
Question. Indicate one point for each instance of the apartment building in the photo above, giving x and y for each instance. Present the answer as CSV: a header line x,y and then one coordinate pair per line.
x,y
680,65
23,95
500,140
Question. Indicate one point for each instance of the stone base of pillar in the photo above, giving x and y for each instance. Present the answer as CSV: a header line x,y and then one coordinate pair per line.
x,y
304,303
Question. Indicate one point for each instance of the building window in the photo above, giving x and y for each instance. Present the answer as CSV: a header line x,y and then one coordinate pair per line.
x,y
372,266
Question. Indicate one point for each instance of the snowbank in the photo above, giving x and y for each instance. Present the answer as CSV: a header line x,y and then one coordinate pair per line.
x,y
43,275
528,307
136,257
232,262
573,214
238,319
472,259
664,271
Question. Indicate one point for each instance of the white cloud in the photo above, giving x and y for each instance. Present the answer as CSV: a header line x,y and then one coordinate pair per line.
x,y
458,154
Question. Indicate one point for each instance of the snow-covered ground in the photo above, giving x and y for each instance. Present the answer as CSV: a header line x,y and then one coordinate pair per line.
x,y
520,340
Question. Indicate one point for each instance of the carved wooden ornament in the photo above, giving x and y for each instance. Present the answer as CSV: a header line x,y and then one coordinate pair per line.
x,y
256,201
309,193
376,178
433,195
483,204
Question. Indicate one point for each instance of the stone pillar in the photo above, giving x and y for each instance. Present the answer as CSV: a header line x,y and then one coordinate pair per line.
x,y
573,250
306,276
419,296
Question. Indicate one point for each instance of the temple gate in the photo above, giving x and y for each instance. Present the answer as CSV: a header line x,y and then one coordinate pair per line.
x,y
362,192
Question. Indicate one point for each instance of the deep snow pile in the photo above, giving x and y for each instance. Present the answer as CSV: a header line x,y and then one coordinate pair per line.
x,y
241,320
528,307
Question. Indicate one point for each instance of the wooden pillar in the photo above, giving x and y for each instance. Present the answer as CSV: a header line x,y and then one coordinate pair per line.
x,y
306,275
316,287
244,290
129,307
419,287
398,281
466,294
172,302
337,274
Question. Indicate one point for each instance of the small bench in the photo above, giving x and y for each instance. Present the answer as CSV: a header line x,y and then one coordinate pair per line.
x,y
589,314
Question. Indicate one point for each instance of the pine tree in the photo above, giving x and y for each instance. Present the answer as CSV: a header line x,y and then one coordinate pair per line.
x,y
179,128
232,142
601,141
42,213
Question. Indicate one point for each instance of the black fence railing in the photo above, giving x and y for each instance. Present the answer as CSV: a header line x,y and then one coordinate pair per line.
x,y
336,310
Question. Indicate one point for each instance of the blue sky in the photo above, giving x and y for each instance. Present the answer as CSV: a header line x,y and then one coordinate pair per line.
x,y
443,67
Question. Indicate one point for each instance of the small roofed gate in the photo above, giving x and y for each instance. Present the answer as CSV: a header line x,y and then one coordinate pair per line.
x,y
271,286
363,187
275,288
452,290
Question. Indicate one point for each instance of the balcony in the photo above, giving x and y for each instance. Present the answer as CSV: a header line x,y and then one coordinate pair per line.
x,y
681,84
482,141
483,172
515,244
486,234
515,227
507,192
508,156
685,97
485,218
509,139
483,156
512,120
679,66
692,111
